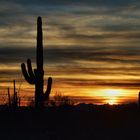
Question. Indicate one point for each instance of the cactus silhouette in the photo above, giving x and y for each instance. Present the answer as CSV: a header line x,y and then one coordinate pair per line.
x,y
9,98
13,101
36,77
139,100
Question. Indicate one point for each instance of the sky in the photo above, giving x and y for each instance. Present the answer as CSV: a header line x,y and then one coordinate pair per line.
x,y
91,48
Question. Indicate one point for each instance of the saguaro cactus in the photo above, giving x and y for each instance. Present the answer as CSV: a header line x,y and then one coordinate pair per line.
x,y
36,77
139,100
14,100
9,98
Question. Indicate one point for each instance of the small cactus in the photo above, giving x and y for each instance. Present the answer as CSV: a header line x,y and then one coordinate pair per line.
x,y
9,98
139,100
36,77
14,100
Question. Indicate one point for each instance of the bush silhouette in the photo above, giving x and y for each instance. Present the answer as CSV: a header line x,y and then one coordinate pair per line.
x,y
61,100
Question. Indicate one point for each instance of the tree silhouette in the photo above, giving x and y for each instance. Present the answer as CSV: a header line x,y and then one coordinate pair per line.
x,y
36,77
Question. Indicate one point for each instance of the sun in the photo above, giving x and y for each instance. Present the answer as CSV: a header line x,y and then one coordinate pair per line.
x,y
112,101
112,96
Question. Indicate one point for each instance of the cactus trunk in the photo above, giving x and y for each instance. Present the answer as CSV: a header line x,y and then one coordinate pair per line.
x,y
39,61
139,100
36,77
15,98
9,98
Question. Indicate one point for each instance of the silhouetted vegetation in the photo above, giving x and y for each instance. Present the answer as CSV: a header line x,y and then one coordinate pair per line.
x,y
139,100
14,99
36,77
61,100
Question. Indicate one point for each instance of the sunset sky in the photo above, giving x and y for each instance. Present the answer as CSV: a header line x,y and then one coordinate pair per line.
x,y
91,47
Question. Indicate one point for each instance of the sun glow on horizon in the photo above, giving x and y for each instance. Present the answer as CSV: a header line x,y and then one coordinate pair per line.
x,y
113,92
109,96
113,96
112,101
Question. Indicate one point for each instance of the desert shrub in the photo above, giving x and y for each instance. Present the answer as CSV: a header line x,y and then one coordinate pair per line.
x,y
61,100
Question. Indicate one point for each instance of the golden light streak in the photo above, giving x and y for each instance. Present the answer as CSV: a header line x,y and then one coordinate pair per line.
x,y
112,96
113,92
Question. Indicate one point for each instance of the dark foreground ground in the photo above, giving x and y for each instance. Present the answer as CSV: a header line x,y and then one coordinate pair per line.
x,y
71,123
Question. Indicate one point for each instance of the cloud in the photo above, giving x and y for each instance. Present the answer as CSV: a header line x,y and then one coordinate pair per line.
x,y
128,84
86,43
56,2
54,54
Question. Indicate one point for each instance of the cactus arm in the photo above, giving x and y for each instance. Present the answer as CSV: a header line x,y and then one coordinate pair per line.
x,y
30,71
26,75
36,73
48,90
